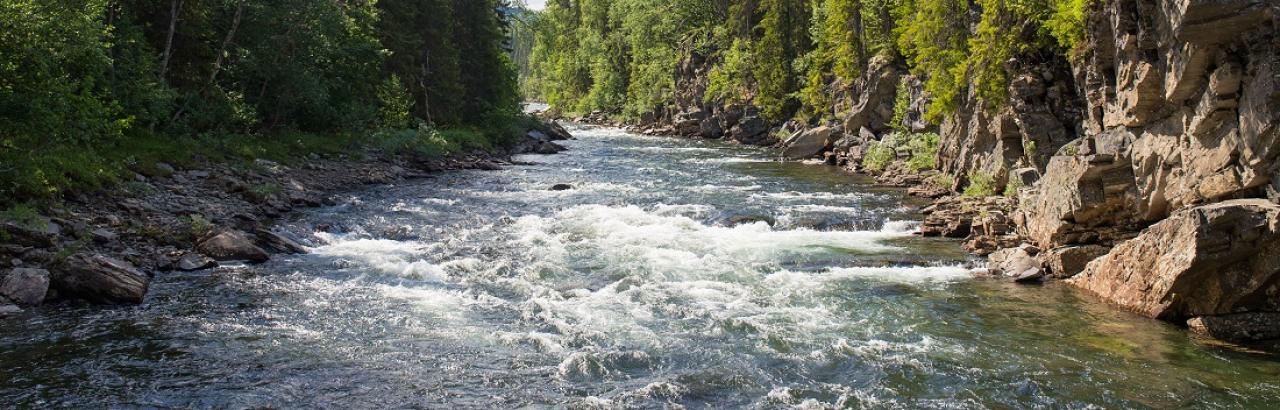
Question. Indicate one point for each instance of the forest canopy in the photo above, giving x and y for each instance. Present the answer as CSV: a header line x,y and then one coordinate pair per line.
x,y
788,57
92,88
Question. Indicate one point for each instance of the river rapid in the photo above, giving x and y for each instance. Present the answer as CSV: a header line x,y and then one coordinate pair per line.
x,y
675,273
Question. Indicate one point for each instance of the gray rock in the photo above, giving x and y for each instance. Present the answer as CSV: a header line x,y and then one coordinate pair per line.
x,y
194,262
233,246
8,310
281,243
25,286
561,187
100,279
1032,275
809,143
104,235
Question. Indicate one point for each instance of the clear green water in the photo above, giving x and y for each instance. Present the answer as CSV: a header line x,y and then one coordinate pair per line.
x,y
645,287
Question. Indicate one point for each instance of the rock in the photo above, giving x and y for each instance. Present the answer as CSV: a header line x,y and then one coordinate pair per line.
x,y
1210,260
233,246
548,148
561,187
8,310
100,279
1242,327
194,262
1069,261
25,287
736,220
809,143
1031,275
487,166
280,243
1013,261
40,232
557,132
104,236
751,130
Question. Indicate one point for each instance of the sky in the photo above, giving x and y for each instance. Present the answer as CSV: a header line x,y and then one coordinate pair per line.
x,y
536,4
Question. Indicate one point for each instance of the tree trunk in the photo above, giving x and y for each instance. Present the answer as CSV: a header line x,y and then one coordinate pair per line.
x,y
226,43
175,6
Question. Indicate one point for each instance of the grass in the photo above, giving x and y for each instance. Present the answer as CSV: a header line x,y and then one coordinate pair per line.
x,y
44,174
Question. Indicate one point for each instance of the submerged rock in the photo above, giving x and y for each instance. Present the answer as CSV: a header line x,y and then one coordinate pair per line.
x,y
1216,259
25,286
194,262
1242,327
100,279
561,187
233,246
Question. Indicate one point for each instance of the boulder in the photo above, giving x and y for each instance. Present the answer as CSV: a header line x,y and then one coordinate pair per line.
x,y
809,143
561,187
1013,261
1211,260
751,130
233,246
549,148
25,287
39,233
1069,261
557,132
100,279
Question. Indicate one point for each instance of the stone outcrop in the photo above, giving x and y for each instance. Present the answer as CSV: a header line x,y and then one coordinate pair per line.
x,y
1211,260
809,143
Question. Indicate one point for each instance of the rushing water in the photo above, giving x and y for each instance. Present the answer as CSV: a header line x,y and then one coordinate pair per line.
x,y
676,273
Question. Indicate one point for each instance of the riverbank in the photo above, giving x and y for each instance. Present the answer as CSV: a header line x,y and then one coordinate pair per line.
x,y
105,246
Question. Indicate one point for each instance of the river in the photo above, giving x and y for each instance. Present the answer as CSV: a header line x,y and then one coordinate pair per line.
x,y
676,272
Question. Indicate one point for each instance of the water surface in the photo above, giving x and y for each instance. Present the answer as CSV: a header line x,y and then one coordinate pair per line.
x,y
676,273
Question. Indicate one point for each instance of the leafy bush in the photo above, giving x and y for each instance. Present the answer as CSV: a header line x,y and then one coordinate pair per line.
x,y
880,155
924,151
980,184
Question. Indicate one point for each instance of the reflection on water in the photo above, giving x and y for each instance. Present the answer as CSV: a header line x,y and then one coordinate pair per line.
x,y
675,273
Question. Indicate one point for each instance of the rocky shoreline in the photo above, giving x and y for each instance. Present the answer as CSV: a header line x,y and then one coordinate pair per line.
x,y
1144,170
104,248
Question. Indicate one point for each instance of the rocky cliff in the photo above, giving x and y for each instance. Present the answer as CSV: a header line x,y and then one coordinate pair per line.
x,y
1147,161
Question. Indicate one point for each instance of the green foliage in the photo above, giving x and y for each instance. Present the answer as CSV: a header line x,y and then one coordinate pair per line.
x,y
1011,189
94,90
901,107
881,154
924,151
980,185
1066,24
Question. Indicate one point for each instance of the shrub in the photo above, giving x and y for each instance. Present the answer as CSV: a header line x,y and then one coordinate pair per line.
x,y
924,152
1011,189
879,155
980,184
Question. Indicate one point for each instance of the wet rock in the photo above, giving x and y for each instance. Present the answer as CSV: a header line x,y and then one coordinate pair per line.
x,y
1032,275
25,286
9,310
100,279
233,246
809,143
1241,327
737,220
548,148
561,187
557,132
1210,260
280,243
487,166
193,262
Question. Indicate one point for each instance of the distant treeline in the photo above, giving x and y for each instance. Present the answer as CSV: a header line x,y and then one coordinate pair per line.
x,y
785,56
89,86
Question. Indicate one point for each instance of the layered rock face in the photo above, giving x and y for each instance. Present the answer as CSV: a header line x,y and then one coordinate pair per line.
x,y
1215,260
1182,119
